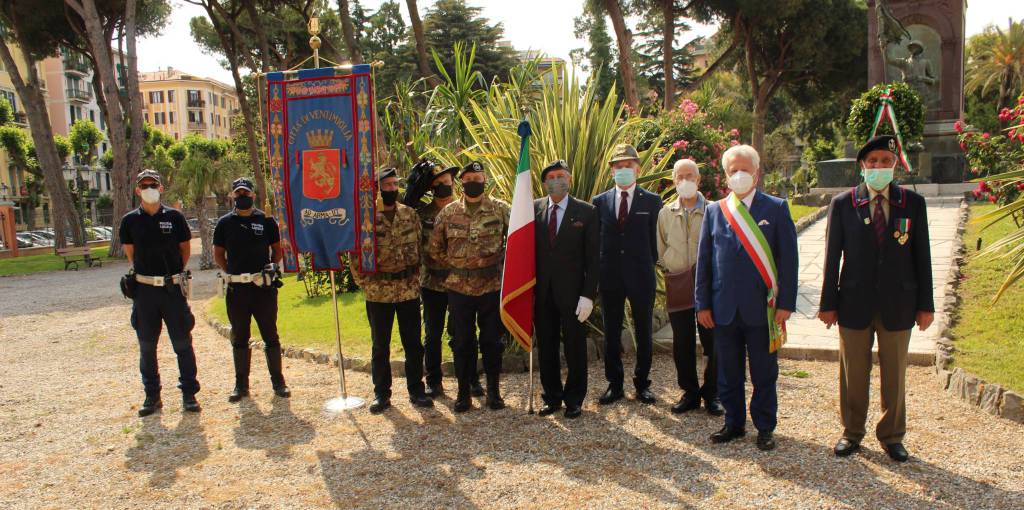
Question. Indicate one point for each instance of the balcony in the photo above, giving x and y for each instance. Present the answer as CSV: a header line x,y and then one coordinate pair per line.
x,y
196,103
76,66
196,126
21,118
83,95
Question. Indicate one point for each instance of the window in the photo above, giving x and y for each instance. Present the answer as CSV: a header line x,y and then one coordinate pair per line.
x,y
222,101
73,119
172,117
156,96
145,116
175,136
12,98
107,176
92,116
211,118
170,96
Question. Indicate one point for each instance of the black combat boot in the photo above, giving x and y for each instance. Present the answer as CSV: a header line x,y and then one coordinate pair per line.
x,y
150,405
243,358
276,376
494,400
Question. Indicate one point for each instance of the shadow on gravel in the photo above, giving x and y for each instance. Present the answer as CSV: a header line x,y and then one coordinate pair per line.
x,y
160,451
275,432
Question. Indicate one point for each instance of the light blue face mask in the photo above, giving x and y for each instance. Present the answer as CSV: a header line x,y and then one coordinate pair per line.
x,y
625,176
878,178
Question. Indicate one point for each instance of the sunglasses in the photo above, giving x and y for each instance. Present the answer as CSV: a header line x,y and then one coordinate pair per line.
x,y
149,186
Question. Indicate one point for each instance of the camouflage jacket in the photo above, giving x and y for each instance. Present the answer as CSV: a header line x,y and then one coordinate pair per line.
x,y
398,259
434,272
471,246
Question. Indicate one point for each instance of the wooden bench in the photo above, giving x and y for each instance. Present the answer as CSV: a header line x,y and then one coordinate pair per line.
x,y
74,254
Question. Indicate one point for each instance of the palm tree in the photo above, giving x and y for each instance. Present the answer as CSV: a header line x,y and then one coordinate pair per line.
x,y
997,59
204,172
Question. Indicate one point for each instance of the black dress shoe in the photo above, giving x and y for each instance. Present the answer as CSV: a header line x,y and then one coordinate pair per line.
x,y
435,391
686,403
610,396
573,412
476,389
238,394
897,452
150,406
765,441
727,434
462,404
846,447
495,402
421,401
283,392
190,404
714,407
549,409
646,396
379,405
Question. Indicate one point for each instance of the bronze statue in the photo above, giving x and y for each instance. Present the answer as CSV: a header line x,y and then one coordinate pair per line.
x,y
916,70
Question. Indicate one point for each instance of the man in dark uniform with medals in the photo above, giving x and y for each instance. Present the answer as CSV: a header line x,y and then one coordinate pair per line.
x,y
880,232
247,248
156,239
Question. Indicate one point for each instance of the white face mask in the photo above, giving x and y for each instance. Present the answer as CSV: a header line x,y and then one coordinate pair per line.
x,y
741,182
686,189
150,195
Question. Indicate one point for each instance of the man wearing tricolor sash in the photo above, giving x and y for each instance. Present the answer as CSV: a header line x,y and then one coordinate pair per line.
x,y
884,286
746,290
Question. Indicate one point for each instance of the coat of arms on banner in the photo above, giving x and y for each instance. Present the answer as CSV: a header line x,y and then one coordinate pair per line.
x,y
320,135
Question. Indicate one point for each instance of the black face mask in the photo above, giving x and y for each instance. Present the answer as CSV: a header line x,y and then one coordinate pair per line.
x,y
473,189
442,191
389,197
243,202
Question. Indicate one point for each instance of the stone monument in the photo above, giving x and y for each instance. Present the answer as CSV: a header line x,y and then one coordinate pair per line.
x,y
921,42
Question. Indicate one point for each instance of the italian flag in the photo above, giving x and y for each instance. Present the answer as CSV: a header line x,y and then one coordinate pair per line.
x,y
520,273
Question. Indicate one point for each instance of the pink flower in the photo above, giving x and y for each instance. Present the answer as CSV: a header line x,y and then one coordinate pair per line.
x,y
681,145
985,136
983,187
976,193
992,198
734,142
963,146
958,126
735,133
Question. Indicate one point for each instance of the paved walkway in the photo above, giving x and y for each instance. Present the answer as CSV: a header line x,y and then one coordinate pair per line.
x,y
808,337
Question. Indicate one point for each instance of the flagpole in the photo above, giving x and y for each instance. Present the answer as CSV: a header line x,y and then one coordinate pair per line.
x,y
530,410
344,402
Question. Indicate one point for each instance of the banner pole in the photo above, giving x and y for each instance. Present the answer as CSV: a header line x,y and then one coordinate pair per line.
x,y
343,402
530,410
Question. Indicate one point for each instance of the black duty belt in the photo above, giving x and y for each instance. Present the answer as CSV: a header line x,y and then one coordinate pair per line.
x,y
481,272
398,275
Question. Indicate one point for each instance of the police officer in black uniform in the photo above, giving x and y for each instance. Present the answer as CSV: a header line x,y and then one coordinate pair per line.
x,y
247,248
156,240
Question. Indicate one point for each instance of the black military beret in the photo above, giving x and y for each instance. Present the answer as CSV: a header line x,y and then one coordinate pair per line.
x,y
384,173
242,183
439,171
475,166
148,174
878,143
558,164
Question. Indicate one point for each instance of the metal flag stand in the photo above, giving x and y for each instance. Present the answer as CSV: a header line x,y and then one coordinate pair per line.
x,y
344,402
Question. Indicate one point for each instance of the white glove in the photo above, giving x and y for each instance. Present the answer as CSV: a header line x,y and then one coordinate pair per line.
x,y
583,309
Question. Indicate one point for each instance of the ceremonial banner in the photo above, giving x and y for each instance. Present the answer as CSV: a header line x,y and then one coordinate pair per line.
x,y
520,274
886,111
320,137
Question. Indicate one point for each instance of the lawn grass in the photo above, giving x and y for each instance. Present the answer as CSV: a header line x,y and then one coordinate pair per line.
x,y
309,322
40,263
990,338
799,211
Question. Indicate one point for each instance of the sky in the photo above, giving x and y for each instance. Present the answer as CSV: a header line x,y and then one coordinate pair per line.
x,y
545,25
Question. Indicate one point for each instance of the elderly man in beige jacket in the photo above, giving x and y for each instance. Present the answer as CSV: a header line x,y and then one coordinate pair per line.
x,y
679,224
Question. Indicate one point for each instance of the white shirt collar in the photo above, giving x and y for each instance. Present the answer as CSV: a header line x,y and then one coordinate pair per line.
x,y
630,190
561,203
749,199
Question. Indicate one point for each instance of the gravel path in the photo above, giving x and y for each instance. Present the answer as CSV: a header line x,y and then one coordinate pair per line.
x,y
69,435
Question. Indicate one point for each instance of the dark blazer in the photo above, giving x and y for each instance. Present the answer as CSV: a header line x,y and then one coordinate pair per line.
x,y
628,255
568,269
893,279
728,282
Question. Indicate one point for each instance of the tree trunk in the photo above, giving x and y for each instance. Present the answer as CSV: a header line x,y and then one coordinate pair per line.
x,y
121,176
138,136
668,30
205,236
354,54
625,43
62,209
421,44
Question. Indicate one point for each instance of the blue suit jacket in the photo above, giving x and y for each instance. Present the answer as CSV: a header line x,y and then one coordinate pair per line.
x,y
628,255
727,280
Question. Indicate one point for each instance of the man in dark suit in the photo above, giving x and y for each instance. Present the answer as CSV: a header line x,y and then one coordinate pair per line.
x,y
567,271
732,296
628,217
880,232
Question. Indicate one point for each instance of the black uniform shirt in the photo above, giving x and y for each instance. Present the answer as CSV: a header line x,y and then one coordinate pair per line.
x,y
247,240
155,239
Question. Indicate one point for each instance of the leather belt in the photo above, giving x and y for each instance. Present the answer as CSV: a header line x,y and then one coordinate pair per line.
x,y
397,275
476,272
438,273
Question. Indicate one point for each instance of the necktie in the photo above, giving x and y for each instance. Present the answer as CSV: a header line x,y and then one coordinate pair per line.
x,y
878,219
553,225
623,208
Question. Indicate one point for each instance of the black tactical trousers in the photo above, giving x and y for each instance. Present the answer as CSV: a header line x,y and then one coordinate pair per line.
x,y
466,314
382,319
435,308
245,302
151,308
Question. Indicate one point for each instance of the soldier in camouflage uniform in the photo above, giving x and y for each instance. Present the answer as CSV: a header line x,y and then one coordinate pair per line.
x,y
394,290
433,291
469,238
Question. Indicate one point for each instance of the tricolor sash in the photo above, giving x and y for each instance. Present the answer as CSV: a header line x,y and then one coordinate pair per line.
x,y
760,253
